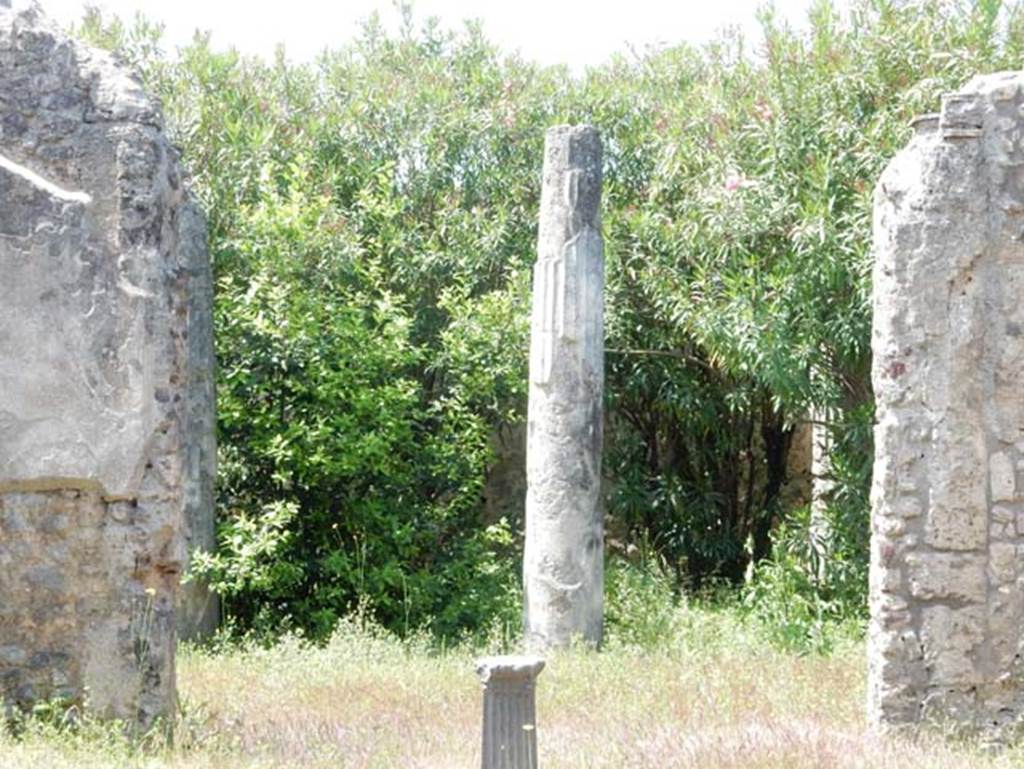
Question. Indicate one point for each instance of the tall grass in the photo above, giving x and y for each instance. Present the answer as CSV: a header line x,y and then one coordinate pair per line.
x,y
712,693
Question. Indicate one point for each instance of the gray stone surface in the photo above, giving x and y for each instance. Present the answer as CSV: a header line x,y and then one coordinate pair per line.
x,y
947,606
100,385
198,608
510,711
822,486
564,550
505,486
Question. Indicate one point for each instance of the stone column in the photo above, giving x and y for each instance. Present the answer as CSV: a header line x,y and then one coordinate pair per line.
x,y
510,720
822,486
947,540
198,608
564,551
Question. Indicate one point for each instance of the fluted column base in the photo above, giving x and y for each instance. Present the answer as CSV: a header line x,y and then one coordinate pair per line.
x,y
510,728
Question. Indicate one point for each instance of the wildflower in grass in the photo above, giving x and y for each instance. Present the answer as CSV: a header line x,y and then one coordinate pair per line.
x,y
737,181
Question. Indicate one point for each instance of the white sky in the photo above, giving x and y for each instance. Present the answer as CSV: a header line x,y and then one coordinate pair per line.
x,y
573,32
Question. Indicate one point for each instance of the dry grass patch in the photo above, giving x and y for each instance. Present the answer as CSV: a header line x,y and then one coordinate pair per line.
x,y
713,696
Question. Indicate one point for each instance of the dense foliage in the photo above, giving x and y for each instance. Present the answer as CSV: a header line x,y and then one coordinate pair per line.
x,y
372,218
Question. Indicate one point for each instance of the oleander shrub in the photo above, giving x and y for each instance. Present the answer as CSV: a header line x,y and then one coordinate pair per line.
x,y
372,223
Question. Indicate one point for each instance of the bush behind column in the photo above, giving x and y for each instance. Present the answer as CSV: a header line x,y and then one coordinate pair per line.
x,y
373,224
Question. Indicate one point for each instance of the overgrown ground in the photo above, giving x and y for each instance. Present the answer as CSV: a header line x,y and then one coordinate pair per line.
x,y
714,695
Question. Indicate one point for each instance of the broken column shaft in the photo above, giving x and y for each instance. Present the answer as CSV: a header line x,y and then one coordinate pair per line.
x,y
564,552
510,721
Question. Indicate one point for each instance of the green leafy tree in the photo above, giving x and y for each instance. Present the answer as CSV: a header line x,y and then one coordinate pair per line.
x,y
372,221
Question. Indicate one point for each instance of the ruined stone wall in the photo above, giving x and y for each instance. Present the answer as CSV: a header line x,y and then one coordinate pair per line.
x,y
505,486
948,342
98,386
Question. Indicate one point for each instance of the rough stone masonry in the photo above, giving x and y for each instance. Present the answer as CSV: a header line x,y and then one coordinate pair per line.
x,y
105,390
564,549
947,597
